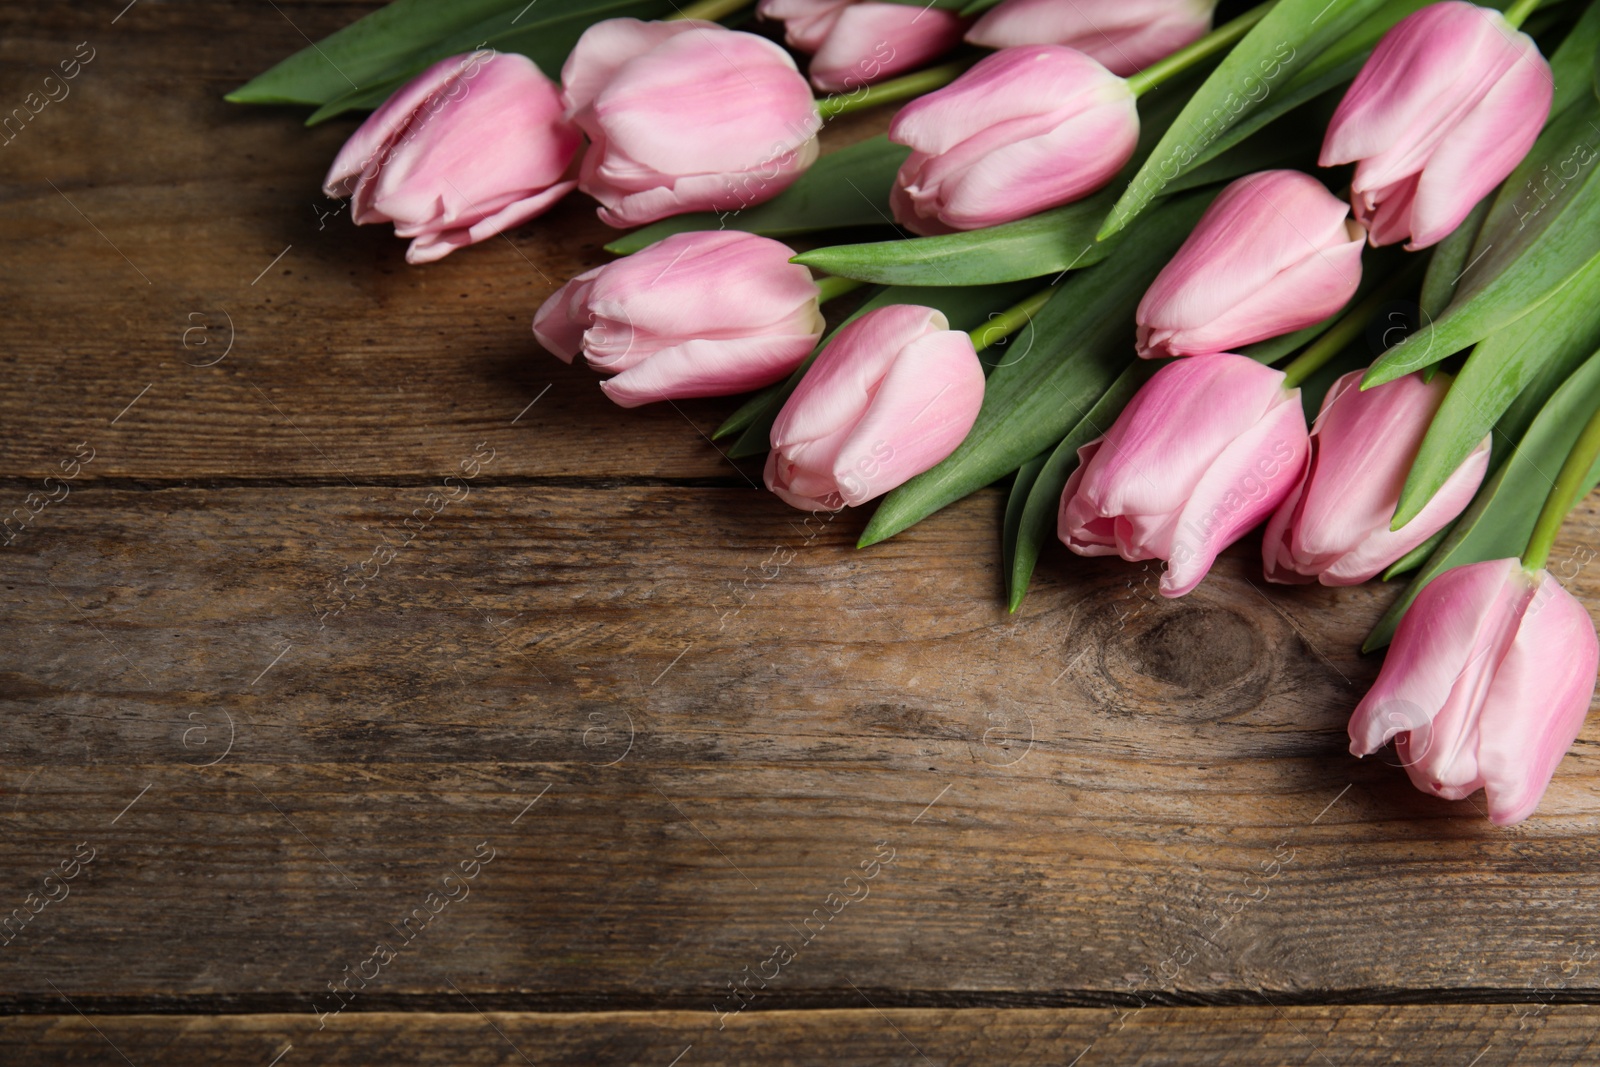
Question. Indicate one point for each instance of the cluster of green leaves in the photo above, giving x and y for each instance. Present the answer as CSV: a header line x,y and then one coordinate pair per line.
x,y
1519,284
359,66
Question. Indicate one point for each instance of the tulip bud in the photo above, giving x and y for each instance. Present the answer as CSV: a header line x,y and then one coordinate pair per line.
x,y
707,313
472,146
1485,687
1447,105
1124,36
1334,525
1274,252
686,116
890,396
1204,451
1024,130
853,43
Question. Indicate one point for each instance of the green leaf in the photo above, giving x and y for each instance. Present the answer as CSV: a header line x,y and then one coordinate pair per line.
x,y
1576,63
977,7
1501,518
966,308
847,188
1081,341
1047,243
1449,263
1417,556
1016,501
544,34
363,51
1036,521
1558,334
1291,36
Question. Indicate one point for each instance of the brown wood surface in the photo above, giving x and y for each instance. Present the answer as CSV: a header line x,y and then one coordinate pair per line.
x,y
684,723
1514,1035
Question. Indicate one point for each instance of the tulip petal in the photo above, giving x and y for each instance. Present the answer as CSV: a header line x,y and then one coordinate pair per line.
x,y
1441,638
806,23
1538,702
703,367
1250,478
870,41
920,412
606,47
1482,149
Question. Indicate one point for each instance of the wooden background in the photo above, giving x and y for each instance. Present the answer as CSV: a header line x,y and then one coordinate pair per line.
x,y
1122,829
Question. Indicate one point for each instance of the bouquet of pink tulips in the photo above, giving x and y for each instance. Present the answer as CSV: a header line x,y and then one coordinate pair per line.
x,y
1340,277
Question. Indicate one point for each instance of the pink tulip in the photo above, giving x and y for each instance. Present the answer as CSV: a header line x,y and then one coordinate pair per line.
x,y
1274,252
1486,686
472,146
1204,451
853,43
1334,526
893,394
1448,104
707,313
686,116
1125,36
1024,130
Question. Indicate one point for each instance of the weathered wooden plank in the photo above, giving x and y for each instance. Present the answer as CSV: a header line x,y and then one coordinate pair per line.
x,y
1512,1035
1108,795
179,293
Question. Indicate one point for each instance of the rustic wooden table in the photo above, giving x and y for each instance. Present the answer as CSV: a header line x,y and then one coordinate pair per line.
x,y
576,772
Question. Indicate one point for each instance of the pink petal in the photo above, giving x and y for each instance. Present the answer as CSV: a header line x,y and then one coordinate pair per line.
x,y
1123,35
605,48
871,41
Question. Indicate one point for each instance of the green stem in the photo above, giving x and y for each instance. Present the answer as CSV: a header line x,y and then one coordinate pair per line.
x,y
1519,11
894,90
1010,320
1218,39
1564,494
707,10
1348,328
831,285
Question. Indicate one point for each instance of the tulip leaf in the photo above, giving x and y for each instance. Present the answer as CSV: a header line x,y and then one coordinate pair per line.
x,y
977,7
1417,556
1016,502
1047,243
847,188
545,36
1449,263
1075,348
1558,335
1284,43
365,51
1036,520
1501,518
351,68
965,308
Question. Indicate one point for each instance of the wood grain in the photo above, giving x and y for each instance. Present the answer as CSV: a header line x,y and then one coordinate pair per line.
x,y
145,221
1107,795
1505,1035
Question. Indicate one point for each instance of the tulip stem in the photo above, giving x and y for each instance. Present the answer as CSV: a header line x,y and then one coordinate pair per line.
x,y
1005,323
1563,495
1519,11
707,10
1347,329
831,285
894,90
1218,39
